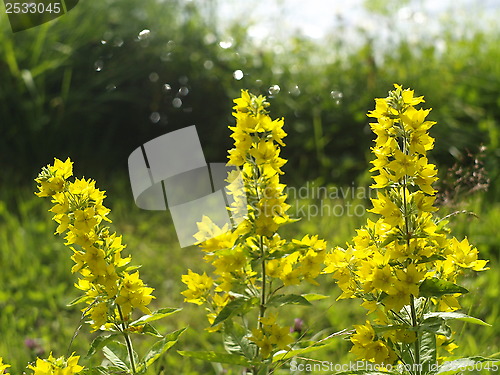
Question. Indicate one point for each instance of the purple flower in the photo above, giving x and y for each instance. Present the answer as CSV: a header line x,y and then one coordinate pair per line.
x,y
298,325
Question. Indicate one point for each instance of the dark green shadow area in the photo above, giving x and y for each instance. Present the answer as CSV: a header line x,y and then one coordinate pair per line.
x,y
24,14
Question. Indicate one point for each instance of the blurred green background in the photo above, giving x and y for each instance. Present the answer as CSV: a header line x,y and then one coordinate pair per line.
x,y
110,75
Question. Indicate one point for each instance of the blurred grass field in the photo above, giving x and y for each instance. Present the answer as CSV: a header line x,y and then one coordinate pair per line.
x,y
87,87
38,285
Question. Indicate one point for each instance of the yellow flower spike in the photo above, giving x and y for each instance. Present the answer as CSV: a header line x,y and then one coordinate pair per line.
x,y
80,213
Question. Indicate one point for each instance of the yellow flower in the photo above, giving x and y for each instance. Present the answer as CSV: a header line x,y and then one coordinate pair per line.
x,y
398,297
85,220
364,334
382,279
198,287
280,336
426,176
402,165
270,320
99,315
3,366
289,275
388,209
62,169
59,366
379,352
411,277
406,336
262,341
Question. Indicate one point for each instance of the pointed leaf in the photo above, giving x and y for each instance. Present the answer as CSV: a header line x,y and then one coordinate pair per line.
x,y
159,314
99,342
160,347
236,339
78,300
435,287
457,316
321,344
436,325
238,305
428,354
148,329
115,356
314,297
288,299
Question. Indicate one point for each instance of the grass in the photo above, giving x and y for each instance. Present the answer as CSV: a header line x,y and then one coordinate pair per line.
x,y
36,282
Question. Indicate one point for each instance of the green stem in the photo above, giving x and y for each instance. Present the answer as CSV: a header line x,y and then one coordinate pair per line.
x,y
262,307
416,357
128,342
417,341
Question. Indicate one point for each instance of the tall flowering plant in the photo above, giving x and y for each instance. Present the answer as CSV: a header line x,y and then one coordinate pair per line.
x,y
253,266
404,266
116,299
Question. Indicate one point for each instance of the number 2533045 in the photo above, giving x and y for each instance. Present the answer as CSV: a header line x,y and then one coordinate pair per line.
x,y
26,8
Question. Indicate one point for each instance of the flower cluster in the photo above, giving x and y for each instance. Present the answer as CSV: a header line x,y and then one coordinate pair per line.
x,y
56,366
3,366
252,262
403,264
112,290
271,335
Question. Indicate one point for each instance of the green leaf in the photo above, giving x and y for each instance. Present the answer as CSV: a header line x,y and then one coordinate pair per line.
x,y
435,287
314,297
468,364
428,358
160,347
432,258
148,329
321,344
391,327
288,299
390,238
232,359
436,325
236,340
159,314
99,342
116,353
457,316
238,305
78,300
